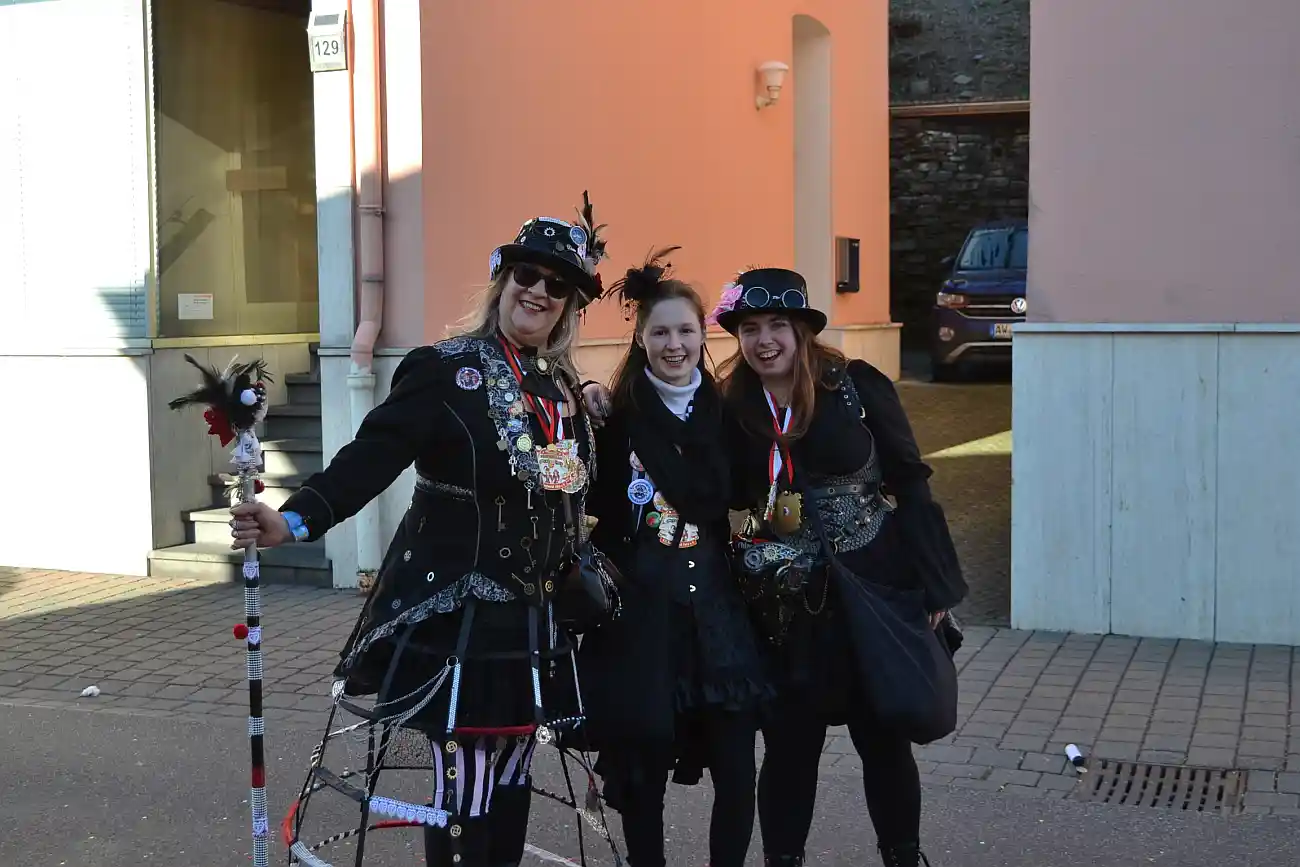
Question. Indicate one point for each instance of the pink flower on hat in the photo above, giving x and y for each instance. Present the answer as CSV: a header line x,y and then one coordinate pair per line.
x,y
730,296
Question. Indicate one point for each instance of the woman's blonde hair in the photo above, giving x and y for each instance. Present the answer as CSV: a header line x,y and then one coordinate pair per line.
x,y
484,318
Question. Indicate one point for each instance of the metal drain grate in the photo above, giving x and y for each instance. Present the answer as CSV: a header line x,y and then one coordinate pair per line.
x,y
1165,787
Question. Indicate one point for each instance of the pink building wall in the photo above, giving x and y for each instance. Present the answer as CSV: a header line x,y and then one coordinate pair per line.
x,y
650,106
1214,234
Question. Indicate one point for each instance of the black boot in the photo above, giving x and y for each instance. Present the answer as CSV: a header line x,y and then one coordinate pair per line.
x,y
782,860
903,855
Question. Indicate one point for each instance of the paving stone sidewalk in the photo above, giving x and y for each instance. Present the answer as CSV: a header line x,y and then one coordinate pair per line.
x,y
164,647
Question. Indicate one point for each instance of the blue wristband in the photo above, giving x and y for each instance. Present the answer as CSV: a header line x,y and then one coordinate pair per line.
x,y
296,526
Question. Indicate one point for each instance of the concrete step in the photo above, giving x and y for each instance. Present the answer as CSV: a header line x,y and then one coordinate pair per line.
x,y
292,564
212,526
292,421
278,488
304,388
292,456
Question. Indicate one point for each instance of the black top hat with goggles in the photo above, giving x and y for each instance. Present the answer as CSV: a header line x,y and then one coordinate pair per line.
x,y
771,290
570,251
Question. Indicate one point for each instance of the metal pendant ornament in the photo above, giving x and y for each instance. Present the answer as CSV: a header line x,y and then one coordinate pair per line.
x,y
788,514
236,402
578,474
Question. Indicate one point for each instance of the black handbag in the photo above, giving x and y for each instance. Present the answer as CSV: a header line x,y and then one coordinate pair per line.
x,y
910,678
587,595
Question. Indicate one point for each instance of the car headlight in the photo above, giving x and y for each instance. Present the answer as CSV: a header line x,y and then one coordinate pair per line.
x,y
951,300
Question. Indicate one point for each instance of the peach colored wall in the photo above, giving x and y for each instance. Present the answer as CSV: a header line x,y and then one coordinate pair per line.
x,y
1165,172
650,106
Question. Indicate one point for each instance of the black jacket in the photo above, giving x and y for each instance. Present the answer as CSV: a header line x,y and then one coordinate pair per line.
x,y
684,639
455,410
916,549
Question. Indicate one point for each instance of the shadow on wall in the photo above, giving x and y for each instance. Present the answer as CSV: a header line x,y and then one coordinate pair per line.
x,y
964,435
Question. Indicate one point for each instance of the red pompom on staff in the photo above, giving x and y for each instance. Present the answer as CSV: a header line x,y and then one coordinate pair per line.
x,y
236,401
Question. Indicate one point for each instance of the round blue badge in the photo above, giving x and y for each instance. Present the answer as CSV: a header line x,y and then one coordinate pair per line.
x,y
578,236
640,491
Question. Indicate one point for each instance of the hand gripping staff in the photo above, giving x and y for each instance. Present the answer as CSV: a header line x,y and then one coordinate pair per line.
x,y
236,401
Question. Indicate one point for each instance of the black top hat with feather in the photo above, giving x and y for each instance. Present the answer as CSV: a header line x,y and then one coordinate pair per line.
x,y
644,284
235,397
572,250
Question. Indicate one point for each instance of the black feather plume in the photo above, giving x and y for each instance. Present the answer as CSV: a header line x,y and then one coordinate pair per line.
x,y
643,284
223,393
595,243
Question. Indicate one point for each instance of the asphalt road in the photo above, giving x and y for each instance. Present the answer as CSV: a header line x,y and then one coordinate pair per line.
x,y
98,789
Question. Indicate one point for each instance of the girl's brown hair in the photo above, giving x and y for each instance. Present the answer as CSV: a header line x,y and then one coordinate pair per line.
x,y
641,290
813,363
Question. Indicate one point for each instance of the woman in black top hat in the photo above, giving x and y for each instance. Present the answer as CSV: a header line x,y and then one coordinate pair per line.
x,y
820,441
459,638
672,685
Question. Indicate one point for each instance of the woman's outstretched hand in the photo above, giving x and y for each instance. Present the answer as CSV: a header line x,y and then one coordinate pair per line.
x,y
258,525
596,397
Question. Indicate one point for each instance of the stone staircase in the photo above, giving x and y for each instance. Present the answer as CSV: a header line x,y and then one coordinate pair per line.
x,y
291,451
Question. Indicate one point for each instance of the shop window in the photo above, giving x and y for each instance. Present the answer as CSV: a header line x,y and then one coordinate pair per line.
x,y
235,172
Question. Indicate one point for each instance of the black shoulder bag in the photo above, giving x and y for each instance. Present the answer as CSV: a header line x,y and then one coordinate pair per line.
x,y
910,678
587,596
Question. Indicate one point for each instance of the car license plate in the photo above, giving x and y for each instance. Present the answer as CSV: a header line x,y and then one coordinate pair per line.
x,y
1002,330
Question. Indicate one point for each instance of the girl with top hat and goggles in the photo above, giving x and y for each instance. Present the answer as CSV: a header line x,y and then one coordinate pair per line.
x,y
846,560
674,685
466,635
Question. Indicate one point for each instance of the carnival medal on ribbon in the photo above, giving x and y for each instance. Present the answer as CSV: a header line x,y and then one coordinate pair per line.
x,y
236,402
784,508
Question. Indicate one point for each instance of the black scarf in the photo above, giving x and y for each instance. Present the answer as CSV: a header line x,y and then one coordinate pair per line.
x,y
685,459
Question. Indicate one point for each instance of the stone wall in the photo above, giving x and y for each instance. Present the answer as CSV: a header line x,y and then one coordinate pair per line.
x,y
958,50
947,174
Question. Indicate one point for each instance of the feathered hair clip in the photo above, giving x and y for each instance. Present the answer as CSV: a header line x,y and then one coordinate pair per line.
x,y
643,284
594,249
235,398
731,293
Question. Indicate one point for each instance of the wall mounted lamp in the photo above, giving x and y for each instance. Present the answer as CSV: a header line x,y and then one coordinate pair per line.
x,y
772,76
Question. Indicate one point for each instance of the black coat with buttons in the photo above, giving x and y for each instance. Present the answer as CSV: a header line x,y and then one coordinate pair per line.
x,y
684,641
479,524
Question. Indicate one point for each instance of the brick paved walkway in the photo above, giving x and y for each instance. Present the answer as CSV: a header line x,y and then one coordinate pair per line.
x,y
163,647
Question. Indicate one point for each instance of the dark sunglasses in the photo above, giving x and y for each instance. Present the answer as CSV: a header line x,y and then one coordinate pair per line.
x,y
557,287
759,297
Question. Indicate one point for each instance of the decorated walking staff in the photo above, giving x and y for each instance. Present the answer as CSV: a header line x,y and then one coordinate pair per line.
x,y
236,401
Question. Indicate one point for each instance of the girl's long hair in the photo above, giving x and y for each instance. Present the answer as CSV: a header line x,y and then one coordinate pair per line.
x,y
642,289
813,363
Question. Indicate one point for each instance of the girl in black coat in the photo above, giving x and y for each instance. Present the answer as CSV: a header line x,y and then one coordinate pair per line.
x,y
823,449
674,684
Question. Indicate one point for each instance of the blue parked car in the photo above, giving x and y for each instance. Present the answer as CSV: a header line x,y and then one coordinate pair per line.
x,y
982,298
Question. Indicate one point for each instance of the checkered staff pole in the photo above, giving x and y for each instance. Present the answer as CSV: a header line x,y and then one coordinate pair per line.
x,y
236,401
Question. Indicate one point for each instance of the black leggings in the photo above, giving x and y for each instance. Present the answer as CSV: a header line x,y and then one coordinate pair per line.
x,y
730,744
787,786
